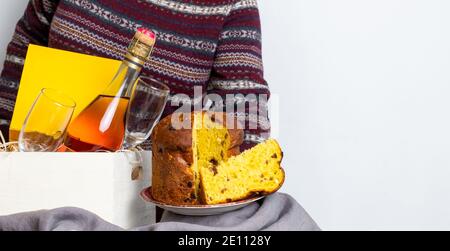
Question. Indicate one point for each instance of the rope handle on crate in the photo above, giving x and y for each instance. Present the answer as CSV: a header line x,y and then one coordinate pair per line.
x,y
136,161
134,157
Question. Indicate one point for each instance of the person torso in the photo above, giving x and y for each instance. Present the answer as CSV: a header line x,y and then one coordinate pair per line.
x,y
187,35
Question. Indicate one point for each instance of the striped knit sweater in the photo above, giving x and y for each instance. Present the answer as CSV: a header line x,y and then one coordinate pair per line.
x,y
215,44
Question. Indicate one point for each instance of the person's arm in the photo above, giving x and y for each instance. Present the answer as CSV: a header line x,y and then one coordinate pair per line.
x,y
238,69
32,28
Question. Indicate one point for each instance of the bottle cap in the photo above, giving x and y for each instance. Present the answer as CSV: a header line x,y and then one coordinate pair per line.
x,y
146,36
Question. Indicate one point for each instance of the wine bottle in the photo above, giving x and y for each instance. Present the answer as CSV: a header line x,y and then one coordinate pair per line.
x,y
101,125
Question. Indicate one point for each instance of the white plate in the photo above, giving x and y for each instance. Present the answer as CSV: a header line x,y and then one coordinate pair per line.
x,y
198,210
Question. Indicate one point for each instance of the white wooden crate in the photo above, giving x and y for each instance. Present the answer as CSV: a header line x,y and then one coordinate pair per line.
x,y
98,182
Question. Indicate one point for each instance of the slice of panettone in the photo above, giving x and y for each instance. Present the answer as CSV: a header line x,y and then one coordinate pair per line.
x,y
255,171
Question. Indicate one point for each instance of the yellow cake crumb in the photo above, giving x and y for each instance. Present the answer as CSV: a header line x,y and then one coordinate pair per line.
x,y
219,179
255,171
210,142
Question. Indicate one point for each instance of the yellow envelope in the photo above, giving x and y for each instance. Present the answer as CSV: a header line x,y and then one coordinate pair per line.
x,y
80,76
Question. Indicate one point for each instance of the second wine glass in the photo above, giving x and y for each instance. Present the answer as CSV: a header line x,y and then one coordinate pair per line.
x,y
147,103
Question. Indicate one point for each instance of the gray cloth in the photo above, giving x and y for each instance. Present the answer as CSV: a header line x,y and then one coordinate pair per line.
x,y
277,212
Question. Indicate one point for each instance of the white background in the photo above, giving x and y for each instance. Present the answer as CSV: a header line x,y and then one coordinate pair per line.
x,y
364,117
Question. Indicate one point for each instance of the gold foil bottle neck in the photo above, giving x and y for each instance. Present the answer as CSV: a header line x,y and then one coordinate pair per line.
x,y
141,46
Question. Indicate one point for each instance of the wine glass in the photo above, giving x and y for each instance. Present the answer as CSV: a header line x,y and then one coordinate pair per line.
x,y
46,123
147,102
